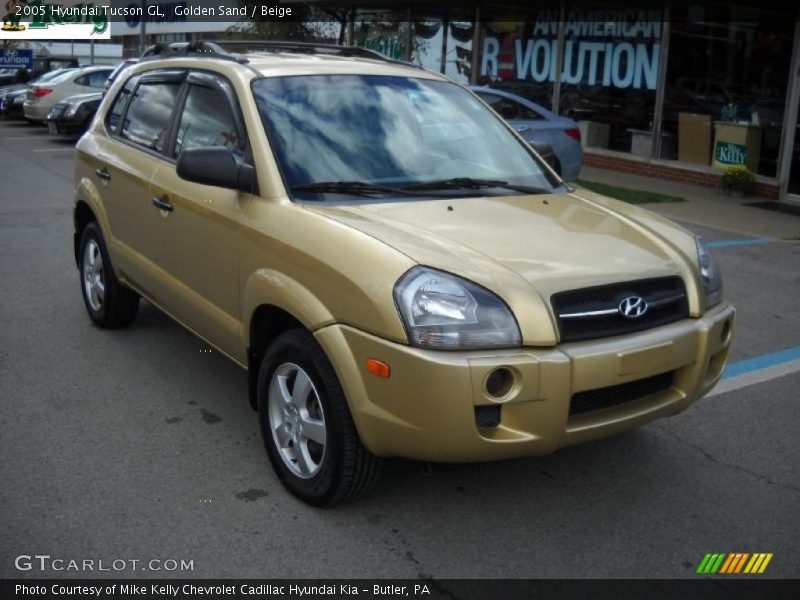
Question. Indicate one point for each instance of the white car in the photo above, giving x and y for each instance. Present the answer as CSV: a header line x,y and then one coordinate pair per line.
x,y
42,97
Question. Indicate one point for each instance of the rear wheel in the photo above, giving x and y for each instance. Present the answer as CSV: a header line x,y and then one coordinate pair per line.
x,y
108,302
306,424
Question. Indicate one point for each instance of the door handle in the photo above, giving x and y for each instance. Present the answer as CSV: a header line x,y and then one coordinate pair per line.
x,y
163,203
103,173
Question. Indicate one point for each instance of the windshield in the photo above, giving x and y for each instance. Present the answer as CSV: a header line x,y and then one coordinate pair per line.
x,y
388,131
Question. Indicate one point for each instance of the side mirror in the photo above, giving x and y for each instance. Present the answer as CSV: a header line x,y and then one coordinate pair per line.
x,y
215,166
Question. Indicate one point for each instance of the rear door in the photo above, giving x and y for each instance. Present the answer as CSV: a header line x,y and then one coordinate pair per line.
x,y
139,124
198,235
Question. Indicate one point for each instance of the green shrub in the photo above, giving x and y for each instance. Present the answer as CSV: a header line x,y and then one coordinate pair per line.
x,y
738,179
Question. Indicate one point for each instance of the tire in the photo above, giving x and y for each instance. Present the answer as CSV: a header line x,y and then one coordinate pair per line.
x,y
340,468
109,303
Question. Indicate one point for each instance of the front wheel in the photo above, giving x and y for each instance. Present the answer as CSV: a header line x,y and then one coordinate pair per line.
x,y
108,302
306,424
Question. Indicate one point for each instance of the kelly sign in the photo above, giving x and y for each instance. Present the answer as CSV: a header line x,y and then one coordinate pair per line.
x,y
728,154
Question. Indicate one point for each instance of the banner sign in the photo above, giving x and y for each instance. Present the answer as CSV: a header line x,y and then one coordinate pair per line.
x,y
611,48
16,59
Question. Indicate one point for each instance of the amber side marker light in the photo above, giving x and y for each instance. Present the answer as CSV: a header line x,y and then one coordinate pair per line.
x,y
378,367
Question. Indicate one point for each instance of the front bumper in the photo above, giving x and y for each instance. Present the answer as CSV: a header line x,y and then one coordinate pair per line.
x,y
426,409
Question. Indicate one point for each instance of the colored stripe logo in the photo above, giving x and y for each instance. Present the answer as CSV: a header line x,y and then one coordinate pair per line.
x,y
734,562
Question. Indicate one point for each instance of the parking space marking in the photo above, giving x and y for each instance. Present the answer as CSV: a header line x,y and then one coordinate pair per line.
x,y
753,377
759,363
69,148
758,369
746,242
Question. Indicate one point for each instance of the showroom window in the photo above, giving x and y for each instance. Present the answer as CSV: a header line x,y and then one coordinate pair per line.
x,y
611,57
520,55
443,43
726,85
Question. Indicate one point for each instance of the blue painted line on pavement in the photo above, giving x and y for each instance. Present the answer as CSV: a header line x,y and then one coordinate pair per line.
x,y
759,363
744,242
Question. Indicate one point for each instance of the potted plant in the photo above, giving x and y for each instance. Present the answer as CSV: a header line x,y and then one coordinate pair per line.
x,y
738,181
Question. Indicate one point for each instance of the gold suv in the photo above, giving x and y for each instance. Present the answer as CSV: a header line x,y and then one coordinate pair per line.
x,y
396,269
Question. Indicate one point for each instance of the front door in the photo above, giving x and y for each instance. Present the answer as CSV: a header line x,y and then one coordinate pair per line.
x,y
198,234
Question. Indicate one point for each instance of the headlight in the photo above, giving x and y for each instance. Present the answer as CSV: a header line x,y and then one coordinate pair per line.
x,y
440,310
70,111
712,276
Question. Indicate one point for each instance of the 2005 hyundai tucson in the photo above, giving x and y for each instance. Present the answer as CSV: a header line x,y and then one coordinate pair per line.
x,y
397,270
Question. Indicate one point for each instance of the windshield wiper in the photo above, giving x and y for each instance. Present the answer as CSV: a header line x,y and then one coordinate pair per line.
x,y
469,183
356,188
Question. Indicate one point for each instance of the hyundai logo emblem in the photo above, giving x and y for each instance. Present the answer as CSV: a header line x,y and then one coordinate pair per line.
x,y
633,307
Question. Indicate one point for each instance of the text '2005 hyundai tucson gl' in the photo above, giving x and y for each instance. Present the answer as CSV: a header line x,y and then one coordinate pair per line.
x,y
397,270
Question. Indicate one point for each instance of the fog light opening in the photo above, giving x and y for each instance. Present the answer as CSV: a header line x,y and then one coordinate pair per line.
x,y
499,383
725,336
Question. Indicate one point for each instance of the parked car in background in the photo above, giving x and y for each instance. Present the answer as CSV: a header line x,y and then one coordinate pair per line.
x,y
43,96
41,79
11,103
536,123
41,65
72,116
12,97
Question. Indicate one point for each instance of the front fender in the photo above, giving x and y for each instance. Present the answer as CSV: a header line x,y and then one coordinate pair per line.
x,y
268,286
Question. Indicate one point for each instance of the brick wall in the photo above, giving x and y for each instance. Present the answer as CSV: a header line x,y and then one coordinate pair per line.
x,y
661,171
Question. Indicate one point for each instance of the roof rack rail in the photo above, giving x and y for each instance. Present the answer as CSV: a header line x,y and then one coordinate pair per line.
x,y
201,48
309,48
214,49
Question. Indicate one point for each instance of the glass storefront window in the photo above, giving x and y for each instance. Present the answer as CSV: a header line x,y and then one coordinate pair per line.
x,y
385,31
611,57
443,43
519,56
726,85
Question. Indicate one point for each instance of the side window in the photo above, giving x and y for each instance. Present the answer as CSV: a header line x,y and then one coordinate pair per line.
x,y
208,120
149,113
118,108
510,110
82,80
98,78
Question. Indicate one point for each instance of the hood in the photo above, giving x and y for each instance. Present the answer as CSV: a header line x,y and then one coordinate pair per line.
x,y
526,246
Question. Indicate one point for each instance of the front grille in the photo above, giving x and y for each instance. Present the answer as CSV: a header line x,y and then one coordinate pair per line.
x,y
600,398
594,312
487,416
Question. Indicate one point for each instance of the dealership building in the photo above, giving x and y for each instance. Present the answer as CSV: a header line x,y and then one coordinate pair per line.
x,y
675,90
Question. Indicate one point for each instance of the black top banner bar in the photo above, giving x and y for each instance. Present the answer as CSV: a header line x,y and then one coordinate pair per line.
x,y
508,11
707,588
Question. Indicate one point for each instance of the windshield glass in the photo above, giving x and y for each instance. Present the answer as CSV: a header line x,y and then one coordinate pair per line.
x,y
388,131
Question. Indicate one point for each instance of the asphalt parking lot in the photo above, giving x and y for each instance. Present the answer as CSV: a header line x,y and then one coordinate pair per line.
x,y
136,444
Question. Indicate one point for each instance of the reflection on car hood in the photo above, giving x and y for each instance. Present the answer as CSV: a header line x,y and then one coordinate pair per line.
x,y
519,246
